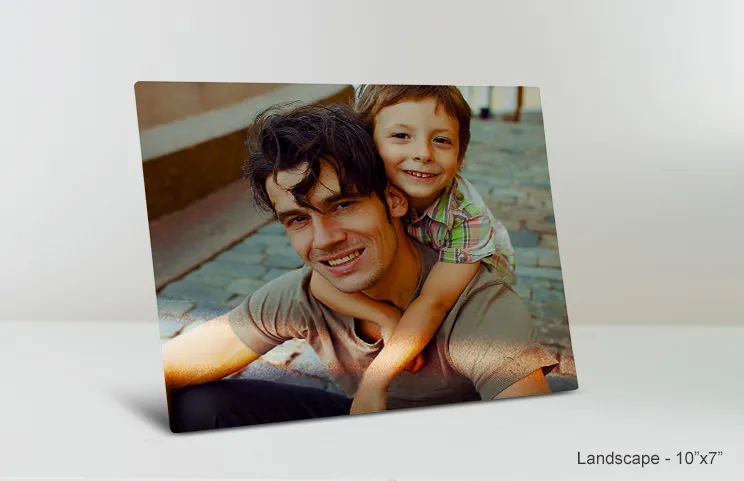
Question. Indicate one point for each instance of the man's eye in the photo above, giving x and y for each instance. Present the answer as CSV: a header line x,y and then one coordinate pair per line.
x,y
295,220
344,204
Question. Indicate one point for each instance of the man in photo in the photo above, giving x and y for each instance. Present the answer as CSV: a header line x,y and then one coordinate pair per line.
x,y
318,171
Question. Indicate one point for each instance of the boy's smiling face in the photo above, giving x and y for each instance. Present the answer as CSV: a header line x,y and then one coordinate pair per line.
x,y
418,141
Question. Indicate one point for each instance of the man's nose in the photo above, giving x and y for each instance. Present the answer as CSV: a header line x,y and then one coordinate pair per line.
x,y
326,233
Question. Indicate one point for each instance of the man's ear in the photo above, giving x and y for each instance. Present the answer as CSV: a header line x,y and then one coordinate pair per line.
x,y
396,200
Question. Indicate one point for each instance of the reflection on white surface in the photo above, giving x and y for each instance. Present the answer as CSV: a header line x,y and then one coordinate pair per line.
x,y
88,399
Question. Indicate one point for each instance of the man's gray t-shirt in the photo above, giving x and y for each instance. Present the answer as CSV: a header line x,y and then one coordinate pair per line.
x,y
486,343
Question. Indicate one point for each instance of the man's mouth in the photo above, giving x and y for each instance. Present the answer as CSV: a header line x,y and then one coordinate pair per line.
x,y
420,175
343,260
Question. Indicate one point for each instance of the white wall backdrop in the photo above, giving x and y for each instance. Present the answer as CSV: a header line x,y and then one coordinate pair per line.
x,y
642,102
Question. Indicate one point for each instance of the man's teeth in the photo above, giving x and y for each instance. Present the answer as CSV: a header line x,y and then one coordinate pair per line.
x,y
419,174
351,256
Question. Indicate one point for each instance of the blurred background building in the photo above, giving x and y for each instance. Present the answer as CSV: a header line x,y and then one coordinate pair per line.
x,y
192,132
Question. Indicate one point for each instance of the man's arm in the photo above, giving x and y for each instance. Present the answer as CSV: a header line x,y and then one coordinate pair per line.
x,y
207,353
534,383
219,347
493,343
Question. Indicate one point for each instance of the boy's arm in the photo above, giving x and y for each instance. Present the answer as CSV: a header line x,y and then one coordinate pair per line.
x,y
420,321
355,304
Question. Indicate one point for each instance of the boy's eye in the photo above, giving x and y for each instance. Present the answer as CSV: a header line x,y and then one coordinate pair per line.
x,y
443,140
400,135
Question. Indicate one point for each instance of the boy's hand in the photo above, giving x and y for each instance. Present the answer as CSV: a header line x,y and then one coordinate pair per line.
x,y
416,364
387,318
369,401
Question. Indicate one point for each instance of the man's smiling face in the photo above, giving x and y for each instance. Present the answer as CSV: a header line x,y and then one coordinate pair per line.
x,y
345,237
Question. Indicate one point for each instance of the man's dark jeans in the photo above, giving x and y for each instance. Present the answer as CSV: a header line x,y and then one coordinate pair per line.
x,y
243,402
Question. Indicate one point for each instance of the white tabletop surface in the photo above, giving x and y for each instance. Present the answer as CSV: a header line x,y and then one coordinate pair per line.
x,y
86,400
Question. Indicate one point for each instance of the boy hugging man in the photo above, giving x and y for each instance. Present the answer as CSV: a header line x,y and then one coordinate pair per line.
x,y
421,134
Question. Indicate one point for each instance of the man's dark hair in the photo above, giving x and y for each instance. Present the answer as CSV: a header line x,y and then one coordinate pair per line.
x,y
283,138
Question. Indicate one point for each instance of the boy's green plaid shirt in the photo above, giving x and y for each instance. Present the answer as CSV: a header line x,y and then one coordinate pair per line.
x,y
461,227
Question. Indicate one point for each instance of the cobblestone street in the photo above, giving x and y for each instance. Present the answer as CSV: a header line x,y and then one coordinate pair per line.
x,y
507,164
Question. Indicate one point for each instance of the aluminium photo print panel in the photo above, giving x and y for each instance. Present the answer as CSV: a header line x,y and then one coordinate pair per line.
x,y
331,250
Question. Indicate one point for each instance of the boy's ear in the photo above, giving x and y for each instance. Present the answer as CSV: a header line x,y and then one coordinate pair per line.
x,y
460,160
396,200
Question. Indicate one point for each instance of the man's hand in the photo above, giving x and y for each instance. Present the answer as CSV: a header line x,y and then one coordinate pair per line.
x,y
369,400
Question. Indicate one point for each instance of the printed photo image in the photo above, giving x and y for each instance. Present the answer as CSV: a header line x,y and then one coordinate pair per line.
x,y
334,250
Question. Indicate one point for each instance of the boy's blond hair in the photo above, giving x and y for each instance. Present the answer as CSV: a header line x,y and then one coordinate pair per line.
x,y
370,99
